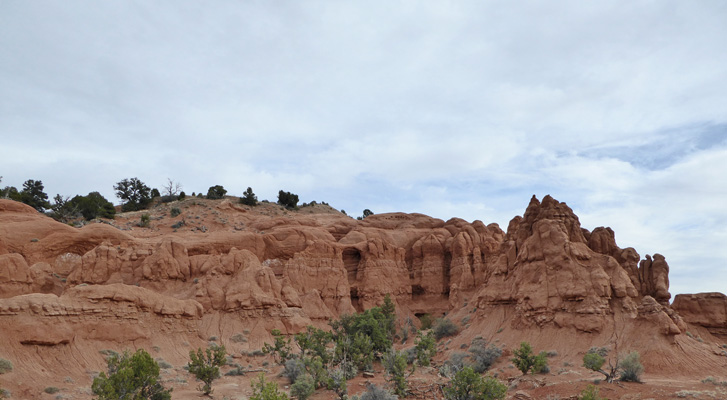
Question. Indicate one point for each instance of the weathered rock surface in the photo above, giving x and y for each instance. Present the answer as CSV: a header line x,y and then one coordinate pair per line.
x,y
708,310
257,269
555,272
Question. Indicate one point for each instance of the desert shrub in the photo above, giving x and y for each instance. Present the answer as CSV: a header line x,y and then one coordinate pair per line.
x,y
526,361
163,364
262,390
411,355
237,371
395,366
249,198
348,369
469,385
155,193
540,366
179,224
280,349
374,392
377,323
131,376
135,194
175,211
294,368
51,390
356,350
426,321
589,393
483,356
205,365
91,206
238,338
337,382
444,327
425,348
287,199
216,192
631,368
455,363
182,195
313,342
144,220
303,387
5,366
594,362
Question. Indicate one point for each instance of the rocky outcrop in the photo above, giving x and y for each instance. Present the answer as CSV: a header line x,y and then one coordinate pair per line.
x,y
233,269
654,276
708,310
97,312
554,272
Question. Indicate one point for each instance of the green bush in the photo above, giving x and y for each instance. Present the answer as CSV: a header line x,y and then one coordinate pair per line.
x,y
589,393
469,385
51,390
444,327
395,366
280,349
205,365
144,220
262,390
337,381
426,348
631,368
526,361
92,206
249,198
238,338
287,199
135,194
426,321
541,363
294,368
303,387
5,366
175,211
483,356
377,323
131,376
216,192
374,392
182,195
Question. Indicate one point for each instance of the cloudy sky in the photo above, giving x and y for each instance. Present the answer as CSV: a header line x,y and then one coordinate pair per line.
x,y
465,109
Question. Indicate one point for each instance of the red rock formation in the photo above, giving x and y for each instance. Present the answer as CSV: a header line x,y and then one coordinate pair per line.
x,y
555,272
265,268
708,310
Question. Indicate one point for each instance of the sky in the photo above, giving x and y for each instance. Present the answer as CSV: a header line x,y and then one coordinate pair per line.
x,y
452,109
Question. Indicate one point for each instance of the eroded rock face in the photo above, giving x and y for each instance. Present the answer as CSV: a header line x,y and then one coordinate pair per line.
x,y
654,276
708,310
555,272
253,270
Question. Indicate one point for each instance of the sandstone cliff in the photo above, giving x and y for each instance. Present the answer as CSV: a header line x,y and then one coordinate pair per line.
x,y
222,270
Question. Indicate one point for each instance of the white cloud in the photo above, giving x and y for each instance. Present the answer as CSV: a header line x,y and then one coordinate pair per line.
x,y
452,109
